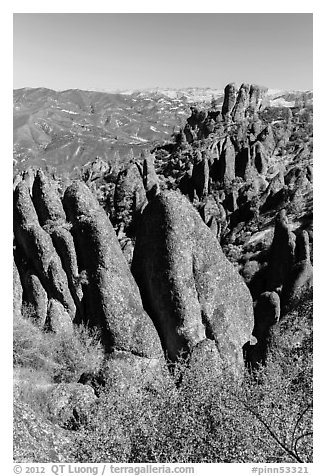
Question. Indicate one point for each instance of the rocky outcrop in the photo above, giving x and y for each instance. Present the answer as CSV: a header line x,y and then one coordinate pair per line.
x,y
37,246
230,96
189,288
290,272
242,103
53,220
112,298
256,98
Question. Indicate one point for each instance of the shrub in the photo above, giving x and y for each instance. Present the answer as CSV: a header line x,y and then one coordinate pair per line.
x,y
265,418
62,357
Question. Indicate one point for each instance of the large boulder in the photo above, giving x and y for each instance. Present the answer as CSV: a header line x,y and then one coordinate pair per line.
x,y
188,287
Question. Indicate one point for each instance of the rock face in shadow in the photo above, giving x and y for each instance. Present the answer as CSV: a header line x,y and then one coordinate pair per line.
x,y
112,298
282,253
190,290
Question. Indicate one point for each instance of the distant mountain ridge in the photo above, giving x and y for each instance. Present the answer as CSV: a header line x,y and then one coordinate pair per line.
x,y
66,129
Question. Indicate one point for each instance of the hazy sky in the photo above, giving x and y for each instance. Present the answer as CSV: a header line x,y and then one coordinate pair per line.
x,y
132,51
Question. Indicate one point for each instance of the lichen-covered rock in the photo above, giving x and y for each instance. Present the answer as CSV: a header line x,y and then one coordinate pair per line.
x,y
38,248
112,299
189,288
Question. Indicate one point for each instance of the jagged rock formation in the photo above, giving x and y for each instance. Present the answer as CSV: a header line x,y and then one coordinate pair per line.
x,y
188,287
238,167
53,220
38,249
76,247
